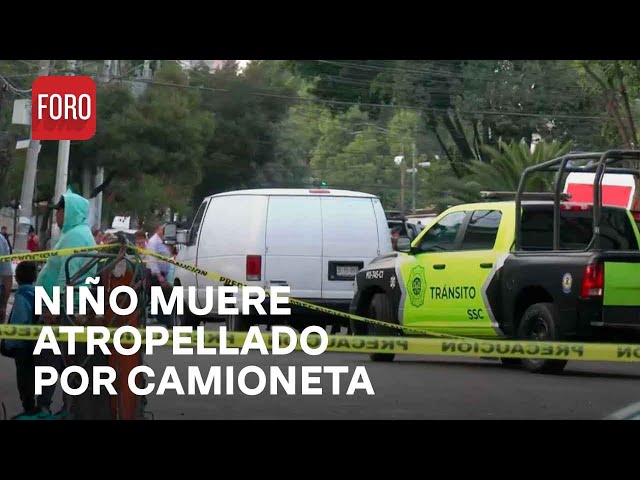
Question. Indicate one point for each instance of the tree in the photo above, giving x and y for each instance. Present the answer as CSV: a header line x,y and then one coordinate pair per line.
x,y
466,104
157,139
249,109
502,172
616,82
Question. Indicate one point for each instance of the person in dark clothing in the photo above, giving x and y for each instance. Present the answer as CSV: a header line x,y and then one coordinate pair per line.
x,y
4,233
23,313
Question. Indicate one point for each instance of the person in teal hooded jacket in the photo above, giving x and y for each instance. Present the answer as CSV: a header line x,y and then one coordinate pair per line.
x,y
72,216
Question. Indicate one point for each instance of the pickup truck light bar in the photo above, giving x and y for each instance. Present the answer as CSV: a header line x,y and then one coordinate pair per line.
x,y
600,162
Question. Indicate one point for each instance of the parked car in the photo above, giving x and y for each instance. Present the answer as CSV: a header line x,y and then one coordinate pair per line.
x,y
314,241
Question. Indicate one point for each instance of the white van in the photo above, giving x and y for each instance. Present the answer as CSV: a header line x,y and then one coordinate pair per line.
x,y
312,240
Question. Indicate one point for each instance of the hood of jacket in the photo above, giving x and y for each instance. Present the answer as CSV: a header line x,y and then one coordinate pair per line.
x,y
76,210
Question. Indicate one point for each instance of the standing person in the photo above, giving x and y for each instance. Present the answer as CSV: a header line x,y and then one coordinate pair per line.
x,y
97,236
24,313
6,278
72,216
141,242
33,244
4,233
159,269
141,239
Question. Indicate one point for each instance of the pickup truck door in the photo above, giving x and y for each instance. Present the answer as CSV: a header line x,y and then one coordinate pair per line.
x,y
426,271
445,281
476,262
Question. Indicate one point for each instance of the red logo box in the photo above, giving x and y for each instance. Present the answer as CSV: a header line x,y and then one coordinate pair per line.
x,y
63,108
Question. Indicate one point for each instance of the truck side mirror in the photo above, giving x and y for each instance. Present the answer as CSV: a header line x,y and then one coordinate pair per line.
x,y
169,233
182,237
403,244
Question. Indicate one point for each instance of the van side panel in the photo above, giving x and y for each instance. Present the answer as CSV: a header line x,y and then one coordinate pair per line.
x,y
350,233
294,245
384,235
233,227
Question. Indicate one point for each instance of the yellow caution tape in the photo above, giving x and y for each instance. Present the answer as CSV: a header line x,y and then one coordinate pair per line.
x,y
44,255
293,301
366,344
450,345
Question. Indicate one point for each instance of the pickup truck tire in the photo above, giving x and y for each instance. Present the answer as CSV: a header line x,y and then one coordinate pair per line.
x,y
540,322
237,323
380,308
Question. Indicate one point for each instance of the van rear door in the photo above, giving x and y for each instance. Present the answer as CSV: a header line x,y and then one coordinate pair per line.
x,y
294,245
350,241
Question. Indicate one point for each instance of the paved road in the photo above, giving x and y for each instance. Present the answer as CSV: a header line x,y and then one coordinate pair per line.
x,y
409,388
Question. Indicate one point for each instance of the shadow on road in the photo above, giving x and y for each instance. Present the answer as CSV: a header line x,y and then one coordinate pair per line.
x,y
617,376
496,365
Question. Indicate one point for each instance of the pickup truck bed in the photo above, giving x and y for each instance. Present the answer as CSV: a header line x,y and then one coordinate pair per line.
x,y
609,298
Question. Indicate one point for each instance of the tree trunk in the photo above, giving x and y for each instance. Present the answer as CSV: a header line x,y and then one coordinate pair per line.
x,y
477,140
611,102
432,124
458,137
627,105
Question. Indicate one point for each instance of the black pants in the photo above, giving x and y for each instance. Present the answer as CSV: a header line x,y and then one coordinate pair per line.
x,y
25,376
48,359
166,320
85,406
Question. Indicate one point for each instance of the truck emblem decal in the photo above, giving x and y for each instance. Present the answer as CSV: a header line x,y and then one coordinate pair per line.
x,y
416,287
392,282
567,282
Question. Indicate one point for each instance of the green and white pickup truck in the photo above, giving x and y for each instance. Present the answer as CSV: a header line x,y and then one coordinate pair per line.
x,y
537,267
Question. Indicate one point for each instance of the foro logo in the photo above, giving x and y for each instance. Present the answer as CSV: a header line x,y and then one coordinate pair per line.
x,y
63,108
67,108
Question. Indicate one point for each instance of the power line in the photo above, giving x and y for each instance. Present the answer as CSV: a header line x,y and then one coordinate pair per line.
x,y
381,105
432,71
550,94
16,90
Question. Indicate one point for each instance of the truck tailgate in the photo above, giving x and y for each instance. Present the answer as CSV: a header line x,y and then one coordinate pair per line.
x,y
621,296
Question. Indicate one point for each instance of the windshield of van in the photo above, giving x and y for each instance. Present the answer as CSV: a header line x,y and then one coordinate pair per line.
x,y
576,228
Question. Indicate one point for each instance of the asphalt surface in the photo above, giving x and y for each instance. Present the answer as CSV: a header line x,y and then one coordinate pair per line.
x,y
412,387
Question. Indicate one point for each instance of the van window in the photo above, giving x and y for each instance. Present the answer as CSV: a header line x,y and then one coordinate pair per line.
x,y
442,235
482,230
195,227
576,229
349,227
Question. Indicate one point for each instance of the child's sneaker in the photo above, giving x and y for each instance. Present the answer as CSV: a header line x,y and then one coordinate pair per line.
x,y
26,415
43,413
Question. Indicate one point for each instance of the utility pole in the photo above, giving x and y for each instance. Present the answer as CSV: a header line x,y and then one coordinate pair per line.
x,y
413,186
98,200
62,172
110,70
403,168
29,181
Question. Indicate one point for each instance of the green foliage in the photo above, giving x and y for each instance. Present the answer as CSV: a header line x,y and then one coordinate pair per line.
x,y
503,170
249,111
297,123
